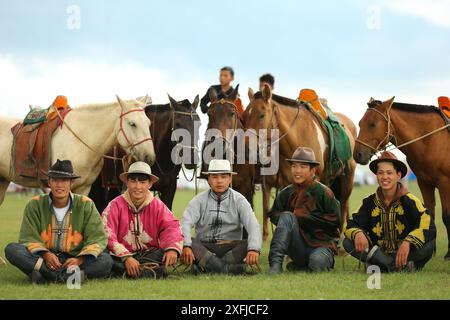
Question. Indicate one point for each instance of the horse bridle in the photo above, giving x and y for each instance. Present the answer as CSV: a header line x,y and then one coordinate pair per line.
x,y
174,112
121,130
389,133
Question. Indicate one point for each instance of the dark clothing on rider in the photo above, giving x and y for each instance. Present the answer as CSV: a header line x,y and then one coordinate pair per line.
x,y
220,94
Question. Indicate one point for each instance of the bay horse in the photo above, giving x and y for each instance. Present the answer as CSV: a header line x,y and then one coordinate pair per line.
x,y
417,131
86,135
224,117
166,120
298,127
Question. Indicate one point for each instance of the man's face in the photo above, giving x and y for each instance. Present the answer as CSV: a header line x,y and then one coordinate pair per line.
x,y
302,172
387,176
60,187
219,183
137,188
225,77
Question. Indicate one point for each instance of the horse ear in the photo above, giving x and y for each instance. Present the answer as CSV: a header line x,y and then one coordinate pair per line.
x,y
212,94
145,100
121,102
389,103
173,103
267,92
250,94
196,101
233,96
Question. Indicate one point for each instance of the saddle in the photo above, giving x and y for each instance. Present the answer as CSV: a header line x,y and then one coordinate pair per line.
x,y
113,168
30,152
444,109
340,148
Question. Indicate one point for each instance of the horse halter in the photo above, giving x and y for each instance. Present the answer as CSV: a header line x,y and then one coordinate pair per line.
x,y
121,130
389,133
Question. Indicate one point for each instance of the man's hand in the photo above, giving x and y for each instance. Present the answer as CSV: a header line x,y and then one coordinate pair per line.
x,y
361,242
187,257
73,262
170,258
252,258
52,261
402,255
132,267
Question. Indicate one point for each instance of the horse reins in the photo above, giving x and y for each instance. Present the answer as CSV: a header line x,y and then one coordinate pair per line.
x,y
390,136
122,114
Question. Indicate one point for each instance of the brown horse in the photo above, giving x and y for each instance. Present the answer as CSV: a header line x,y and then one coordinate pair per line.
x,y
408,127
299,127
224,117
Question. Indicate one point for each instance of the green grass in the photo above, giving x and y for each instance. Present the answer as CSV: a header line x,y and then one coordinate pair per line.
x,y
344,282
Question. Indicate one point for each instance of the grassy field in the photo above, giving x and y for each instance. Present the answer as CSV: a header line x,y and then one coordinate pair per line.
x,y
344,282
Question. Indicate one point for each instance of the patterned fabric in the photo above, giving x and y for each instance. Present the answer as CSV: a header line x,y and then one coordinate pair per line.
x,y
317,212
80,233
405,219
132,229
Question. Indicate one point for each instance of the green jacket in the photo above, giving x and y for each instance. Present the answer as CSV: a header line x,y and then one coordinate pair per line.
x,y
80,233
319,218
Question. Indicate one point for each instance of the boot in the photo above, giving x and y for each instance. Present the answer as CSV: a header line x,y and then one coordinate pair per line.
x,y
278,248
377,257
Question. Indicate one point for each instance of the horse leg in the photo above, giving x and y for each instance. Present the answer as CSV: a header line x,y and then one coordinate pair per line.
x,y
265,198
168,192
429,198
3,187
444,192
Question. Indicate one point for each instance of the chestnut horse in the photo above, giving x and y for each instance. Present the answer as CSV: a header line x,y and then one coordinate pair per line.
x,y
224,118
417,131
299,127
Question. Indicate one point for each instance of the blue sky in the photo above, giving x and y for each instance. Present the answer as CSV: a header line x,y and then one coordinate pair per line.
x,y
178,46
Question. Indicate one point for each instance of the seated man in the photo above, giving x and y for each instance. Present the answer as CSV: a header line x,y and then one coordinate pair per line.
x,y
144,237
307,216
60,231
219,215
392,229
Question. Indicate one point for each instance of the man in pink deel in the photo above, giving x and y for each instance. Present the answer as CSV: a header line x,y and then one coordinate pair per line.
x,y
144,237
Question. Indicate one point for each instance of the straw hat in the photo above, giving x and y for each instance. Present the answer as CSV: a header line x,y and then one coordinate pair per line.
x,y
139,167
217,166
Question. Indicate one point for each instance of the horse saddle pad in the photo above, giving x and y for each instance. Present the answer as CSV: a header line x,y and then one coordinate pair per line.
x,y
30,152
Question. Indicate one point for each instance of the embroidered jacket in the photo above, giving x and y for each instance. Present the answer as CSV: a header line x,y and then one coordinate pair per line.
x,y
317,211
80,233
132,229
405,219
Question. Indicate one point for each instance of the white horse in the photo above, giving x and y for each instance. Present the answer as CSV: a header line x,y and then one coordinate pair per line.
x,y
88,133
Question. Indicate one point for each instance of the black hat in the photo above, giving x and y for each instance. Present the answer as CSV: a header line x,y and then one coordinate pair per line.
x,y
61,169
387,156
304,155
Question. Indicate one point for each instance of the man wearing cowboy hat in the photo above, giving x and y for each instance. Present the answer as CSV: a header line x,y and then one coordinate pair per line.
x,y
307,216
219,215
60,231
144,237
392,228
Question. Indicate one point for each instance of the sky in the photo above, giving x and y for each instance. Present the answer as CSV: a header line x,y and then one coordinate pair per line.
x,y
348,51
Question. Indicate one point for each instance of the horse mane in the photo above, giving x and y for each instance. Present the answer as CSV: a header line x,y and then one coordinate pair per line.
x,y
408,107
281,100
166,106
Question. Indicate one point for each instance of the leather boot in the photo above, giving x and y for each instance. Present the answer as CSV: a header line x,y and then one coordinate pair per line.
x,y
278,249
377,257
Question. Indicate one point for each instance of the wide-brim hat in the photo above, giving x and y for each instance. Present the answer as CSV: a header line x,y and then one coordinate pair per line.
x,y
61,169
387,156
139,167
219,166
304,155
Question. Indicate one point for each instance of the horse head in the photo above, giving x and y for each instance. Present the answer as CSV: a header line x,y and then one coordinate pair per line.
x,y
133,133
375,130
185,118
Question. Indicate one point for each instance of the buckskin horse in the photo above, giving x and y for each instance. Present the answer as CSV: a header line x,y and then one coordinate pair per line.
x,y
298,127
87,133
224,117
417,131
165,120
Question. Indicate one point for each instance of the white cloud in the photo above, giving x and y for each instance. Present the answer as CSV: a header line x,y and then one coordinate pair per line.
x,y
436,12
